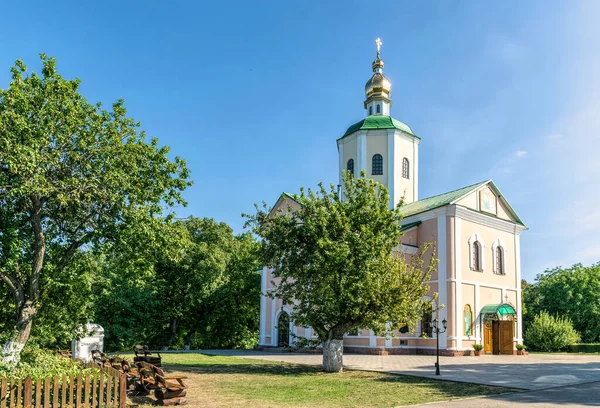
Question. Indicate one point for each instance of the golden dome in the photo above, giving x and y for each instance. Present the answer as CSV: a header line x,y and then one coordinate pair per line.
x,y
378,85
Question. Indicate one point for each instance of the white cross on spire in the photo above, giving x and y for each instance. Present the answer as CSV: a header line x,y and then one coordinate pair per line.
x,y
378,42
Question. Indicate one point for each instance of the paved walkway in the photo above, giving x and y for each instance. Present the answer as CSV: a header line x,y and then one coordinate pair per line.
x,y
570,396
532,372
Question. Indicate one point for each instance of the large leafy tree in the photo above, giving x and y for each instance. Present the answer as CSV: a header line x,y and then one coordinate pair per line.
x,y
229,316
188,281
572,292
205,284
71,175
337,265
130,298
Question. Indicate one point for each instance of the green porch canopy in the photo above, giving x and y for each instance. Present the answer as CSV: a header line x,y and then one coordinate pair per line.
x,y
498,310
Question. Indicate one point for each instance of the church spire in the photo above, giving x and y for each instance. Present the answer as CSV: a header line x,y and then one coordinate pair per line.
x,y
378,88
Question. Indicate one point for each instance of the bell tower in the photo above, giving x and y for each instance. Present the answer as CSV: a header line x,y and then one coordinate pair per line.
x,y
384,148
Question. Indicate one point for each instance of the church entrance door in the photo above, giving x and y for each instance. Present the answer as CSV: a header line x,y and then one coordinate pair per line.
x,y
498,337
283,330
505,340
488,337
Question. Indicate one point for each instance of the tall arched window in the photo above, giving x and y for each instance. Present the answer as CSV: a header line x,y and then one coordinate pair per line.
x,y
500,260
468,316
377,165
283,330
405,168
426,329
378,108
371,110
499,257
475,253
476,246
350,166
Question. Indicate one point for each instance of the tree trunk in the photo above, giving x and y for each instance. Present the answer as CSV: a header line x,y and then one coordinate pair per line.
x,y
174,324
187,342
27,302
333,355
11,350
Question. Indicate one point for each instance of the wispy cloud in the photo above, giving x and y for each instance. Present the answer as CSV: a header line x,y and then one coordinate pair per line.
x,y
521,153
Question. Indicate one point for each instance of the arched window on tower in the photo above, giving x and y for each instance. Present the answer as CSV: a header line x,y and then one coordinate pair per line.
x,y
378,108
371,110
405,168
377,165
350,166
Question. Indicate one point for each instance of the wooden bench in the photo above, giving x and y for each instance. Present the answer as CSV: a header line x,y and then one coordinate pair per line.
x,y
143,354
166,391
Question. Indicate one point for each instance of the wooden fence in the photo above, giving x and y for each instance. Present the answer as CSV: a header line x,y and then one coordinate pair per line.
x,y
105,389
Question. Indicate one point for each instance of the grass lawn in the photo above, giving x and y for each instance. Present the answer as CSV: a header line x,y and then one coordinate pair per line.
x,y
218,381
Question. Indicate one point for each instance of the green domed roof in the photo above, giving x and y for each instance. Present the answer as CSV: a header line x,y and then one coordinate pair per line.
x,y
379,122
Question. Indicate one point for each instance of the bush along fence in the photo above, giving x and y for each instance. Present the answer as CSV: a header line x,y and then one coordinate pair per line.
x,y
105,388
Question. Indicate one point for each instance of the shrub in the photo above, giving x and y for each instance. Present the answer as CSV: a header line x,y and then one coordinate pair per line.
x,y
477,347
521,347
40,363
585,348
549,333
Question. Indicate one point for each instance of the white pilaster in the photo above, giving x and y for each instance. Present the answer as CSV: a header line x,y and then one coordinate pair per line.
x,y
518,286
361,153
342,166
476,310
416,169
263,305
458,315
372,339
273,322
391,168
442,275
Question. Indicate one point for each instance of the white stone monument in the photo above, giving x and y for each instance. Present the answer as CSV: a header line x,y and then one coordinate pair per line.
x,y
88,337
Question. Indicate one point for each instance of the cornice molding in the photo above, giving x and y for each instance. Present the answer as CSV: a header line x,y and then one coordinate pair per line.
x,y
467,214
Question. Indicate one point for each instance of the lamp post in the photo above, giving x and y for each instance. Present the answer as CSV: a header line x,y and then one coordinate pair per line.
x,y
437,331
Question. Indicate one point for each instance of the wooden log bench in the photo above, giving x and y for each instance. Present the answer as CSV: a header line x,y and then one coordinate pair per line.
x,y
168,390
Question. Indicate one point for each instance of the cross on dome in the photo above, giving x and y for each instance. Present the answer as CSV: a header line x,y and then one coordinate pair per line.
x,y
378,42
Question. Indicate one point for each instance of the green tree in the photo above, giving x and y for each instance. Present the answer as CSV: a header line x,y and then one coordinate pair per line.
x,y
229,318
570,292
337,266
206,282
71,175
549,333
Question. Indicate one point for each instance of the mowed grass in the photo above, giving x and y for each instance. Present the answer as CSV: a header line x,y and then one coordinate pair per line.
x,y
218,381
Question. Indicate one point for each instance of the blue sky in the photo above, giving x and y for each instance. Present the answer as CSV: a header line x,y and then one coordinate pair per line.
x,y
254,94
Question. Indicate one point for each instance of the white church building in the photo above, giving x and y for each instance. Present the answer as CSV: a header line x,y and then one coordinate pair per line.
x,y
476,232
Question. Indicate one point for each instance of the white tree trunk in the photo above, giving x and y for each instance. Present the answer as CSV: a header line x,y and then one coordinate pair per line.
x,y
11,352
333,355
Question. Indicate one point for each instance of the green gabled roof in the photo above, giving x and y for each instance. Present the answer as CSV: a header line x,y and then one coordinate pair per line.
x,y
409,226
434,202
452,197
378,122
437,201
294,197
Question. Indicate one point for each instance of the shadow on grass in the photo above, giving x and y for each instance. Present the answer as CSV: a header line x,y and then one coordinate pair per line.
x,y
295,370
136,400
276,369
